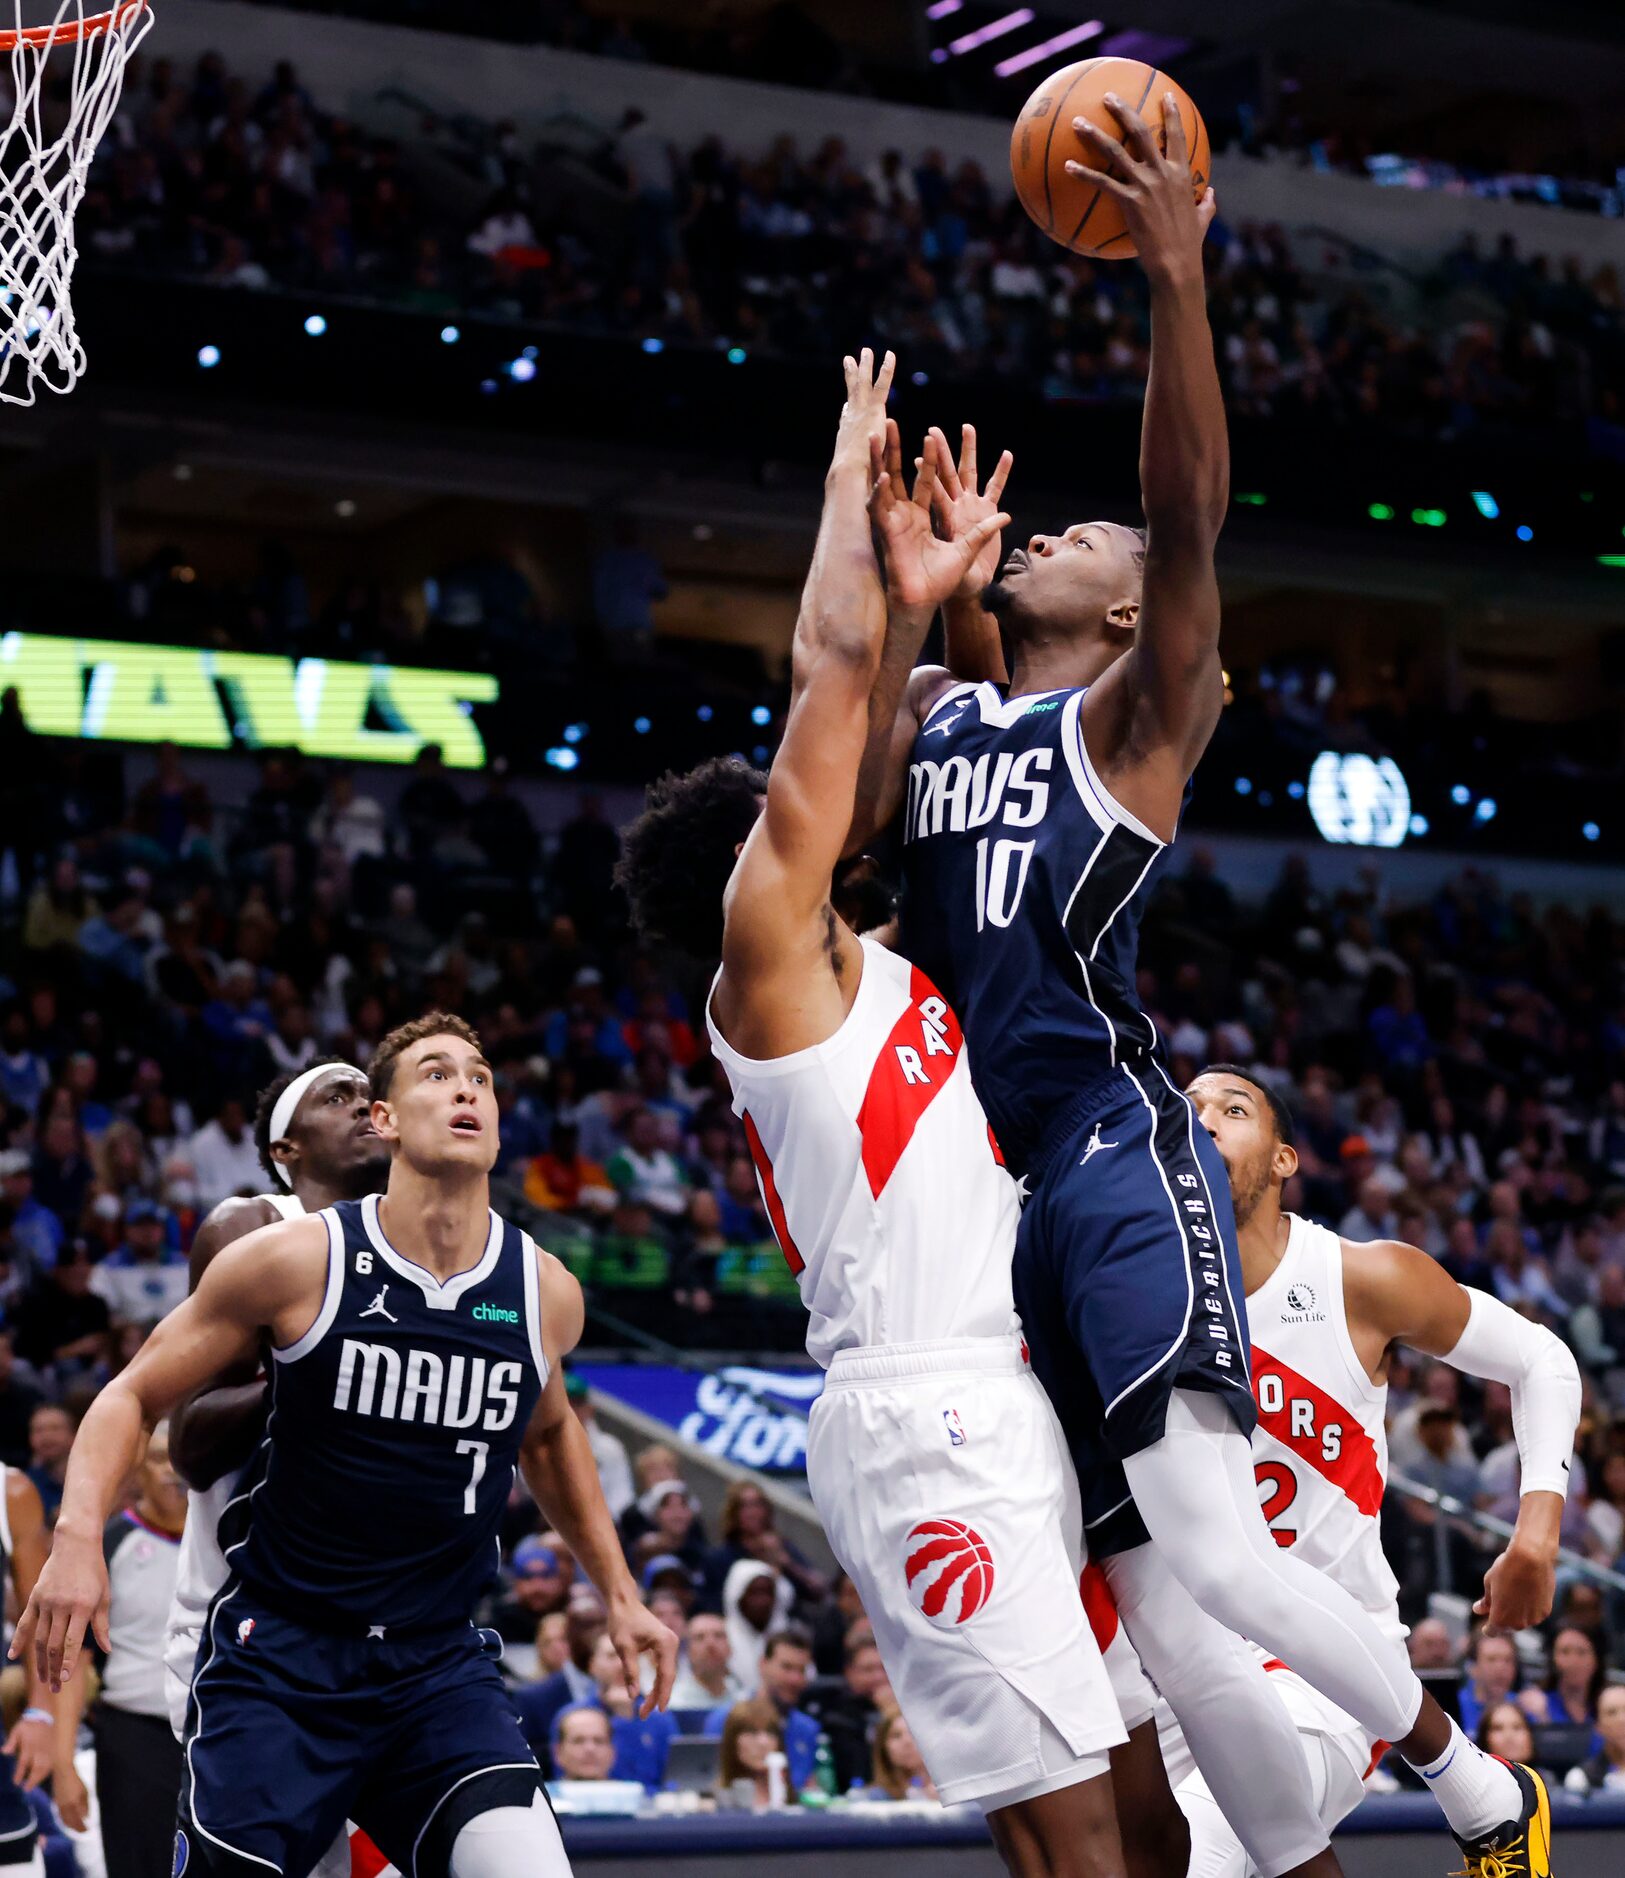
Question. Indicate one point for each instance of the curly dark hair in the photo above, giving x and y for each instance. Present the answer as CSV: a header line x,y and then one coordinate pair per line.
x,y
269,1096
677,856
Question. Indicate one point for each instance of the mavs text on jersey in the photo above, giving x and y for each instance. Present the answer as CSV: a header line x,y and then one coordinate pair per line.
x,y
359,1539
1025,881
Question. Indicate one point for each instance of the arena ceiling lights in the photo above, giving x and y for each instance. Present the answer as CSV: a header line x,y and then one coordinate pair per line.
x,y
1002,41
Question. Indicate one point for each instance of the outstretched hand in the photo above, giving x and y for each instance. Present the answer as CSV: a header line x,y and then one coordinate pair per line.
x,y
1152,186
922,568
960,505
863,416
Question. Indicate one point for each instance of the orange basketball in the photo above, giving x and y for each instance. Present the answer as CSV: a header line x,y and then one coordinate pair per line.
x,y
1069,209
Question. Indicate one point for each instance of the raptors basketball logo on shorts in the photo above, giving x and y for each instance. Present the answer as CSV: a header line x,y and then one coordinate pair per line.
x,y
949,1569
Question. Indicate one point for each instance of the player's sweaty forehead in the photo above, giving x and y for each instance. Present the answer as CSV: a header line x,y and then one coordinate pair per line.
x,y
446,1052
1224,1090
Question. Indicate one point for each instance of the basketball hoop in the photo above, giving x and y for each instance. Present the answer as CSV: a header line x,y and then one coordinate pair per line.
x,y
59,86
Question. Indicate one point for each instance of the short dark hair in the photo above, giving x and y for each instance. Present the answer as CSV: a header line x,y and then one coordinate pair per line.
x,y
1286,1128
677,856
788,1637
269,1096
381,1070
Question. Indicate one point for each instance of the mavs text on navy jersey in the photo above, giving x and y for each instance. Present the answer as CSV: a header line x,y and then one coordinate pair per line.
x,y
1024,889
394,1435
1024,885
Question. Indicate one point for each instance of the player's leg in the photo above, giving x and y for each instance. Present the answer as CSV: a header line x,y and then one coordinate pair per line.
x,y
943,1483
1154,1299
1068,1833
276,1737
455,1791
509,1842
138,1780
1195,1490
1156,1839
1236,1726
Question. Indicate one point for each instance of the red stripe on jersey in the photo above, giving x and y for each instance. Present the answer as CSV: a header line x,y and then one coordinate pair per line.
x,y
910,1072
993,1143
770,1194
1353,1469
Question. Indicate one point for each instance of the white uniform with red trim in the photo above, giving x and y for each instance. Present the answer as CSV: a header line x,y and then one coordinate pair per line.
x,y
1320,1452
934,1457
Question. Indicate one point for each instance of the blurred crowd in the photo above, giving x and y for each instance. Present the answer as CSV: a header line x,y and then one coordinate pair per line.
x,y
1456,1064
247,184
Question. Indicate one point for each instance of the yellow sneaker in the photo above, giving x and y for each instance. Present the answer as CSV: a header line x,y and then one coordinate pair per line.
x,y
1522,1848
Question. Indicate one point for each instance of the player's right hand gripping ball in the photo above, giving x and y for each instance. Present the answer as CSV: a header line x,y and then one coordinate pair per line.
x,y
1070,209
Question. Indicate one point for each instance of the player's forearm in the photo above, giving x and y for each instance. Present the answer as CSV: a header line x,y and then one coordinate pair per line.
x,y
105,1450
214,1432
843,611
68,1707
880,774
563,1479
1184,443
972,648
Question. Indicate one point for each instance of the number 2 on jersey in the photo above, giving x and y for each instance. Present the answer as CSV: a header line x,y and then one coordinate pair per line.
x,y
996,897
1278,1489
479,1449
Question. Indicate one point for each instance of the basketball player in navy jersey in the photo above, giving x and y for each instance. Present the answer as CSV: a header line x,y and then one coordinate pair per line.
x,y
1035,816
417,1341
313,1128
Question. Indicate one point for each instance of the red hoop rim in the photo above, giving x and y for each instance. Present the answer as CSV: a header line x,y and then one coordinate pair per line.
x,y
69,32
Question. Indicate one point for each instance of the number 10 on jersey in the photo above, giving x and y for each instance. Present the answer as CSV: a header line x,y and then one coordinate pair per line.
x,y
1000,878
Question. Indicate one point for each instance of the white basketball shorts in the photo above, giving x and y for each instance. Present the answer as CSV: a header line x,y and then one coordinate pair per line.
x,y
941,1476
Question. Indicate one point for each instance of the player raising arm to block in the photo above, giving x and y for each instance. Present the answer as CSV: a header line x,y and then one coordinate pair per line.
x,y
934,1459
416,1343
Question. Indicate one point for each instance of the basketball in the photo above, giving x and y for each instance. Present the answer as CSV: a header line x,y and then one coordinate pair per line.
x,y
1070,209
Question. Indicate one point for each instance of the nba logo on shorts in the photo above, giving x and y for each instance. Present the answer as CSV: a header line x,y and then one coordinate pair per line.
x,y
956,1428
949,1570
245,1630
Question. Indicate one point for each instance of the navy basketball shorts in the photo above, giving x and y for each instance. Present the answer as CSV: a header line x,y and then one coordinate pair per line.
x,y
1128,1281
292,1731
19,1829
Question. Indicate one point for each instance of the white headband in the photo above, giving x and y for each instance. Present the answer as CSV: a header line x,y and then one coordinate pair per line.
x,y
290,1099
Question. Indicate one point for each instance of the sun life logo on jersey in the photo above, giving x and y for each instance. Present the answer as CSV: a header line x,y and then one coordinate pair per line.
x,y
1300,1305
494,1314
949,1568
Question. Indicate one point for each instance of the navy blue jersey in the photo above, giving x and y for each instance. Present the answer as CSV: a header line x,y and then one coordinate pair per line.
x,y
393,1437
1024,884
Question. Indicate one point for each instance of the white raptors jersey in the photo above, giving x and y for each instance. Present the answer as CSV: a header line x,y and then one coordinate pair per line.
x,y
200,1569
878,1169
1320,1449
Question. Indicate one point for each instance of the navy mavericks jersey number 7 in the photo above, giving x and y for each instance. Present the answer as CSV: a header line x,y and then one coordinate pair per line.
x,y
394,1435
1024,884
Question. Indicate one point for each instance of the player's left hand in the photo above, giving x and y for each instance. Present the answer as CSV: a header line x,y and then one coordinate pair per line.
x,y
1152,186
921,568
72,1800
32,1746
1518,1588
636,1632
960,504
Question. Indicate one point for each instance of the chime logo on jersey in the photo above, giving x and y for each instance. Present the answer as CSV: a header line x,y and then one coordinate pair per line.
x,y
949,1570
420,1386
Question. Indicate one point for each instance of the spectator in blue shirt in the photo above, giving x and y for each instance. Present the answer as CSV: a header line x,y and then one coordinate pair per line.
x,y
145,1278
24,1073
541,1704
786,1668
35,1229
1492,1676
587,1019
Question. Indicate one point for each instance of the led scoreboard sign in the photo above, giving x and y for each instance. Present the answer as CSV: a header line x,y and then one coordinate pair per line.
x,y
113,691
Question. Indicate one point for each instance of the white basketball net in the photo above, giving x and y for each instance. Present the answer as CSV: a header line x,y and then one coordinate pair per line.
x,y
60,80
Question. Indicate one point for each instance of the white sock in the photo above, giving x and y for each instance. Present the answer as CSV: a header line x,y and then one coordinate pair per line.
x,y
1478,1792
